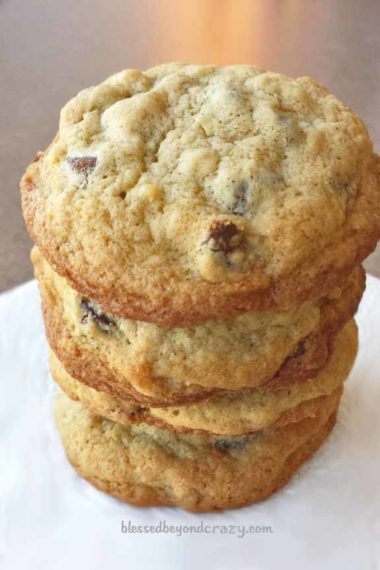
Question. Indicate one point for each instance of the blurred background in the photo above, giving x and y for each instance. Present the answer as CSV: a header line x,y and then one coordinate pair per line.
x,y
50,49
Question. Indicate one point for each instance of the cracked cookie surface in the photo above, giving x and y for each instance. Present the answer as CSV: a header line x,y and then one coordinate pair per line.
x,y
189,192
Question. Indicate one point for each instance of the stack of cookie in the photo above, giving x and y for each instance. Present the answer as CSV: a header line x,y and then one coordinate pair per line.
x,y
199,236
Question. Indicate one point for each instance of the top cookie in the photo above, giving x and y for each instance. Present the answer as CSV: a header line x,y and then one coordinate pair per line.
x,y
192,192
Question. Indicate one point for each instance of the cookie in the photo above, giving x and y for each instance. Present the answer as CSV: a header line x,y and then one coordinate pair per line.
x,y
237,414
154,365
216,351
145,465
189,193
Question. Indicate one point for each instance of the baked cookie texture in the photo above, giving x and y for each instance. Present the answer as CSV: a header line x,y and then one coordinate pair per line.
x,y
188,193
155,364
199,234
146,465
238,414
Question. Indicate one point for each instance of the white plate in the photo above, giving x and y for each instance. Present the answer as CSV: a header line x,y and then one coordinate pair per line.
x,y
327,517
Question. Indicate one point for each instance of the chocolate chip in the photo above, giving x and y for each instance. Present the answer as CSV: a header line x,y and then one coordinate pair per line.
x,y
90,311
299,351
241,199
226,445
122,195
342,185
82,164
223,237
137,413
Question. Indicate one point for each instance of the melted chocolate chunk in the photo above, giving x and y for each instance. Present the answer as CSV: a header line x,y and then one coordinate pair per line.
x,y
226,445
90,311
82,164
241,199
137,413
223,237
299,351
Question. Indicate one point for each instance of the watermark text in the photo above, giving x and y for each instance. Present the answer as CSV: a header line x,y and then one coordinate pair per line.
x,y
163,527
